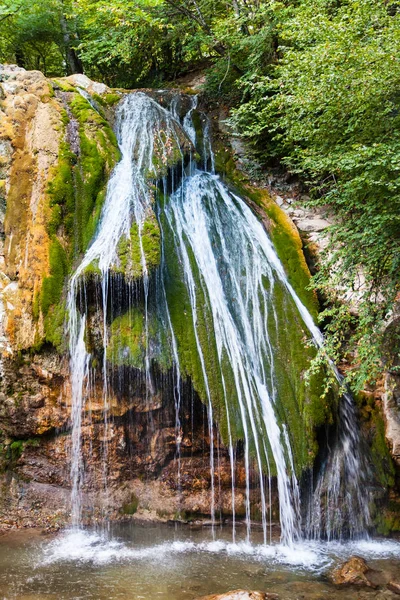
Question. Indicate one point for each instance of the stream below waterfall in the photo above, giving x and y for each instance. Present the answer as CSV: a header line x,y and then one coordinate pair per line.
x,y
147,561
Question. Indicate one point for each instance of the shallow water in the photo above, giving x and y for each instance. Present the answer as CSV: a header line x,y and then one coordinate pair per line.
x,y
134,561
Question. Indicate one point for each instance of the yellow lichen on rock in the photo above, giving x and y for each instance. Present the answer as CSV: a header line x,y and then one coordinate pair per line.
x,y
31,127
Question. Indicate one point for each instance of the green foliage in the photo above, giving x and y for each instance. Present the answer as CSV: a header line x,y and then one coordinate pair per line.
x,y
38,35
329,106
136,42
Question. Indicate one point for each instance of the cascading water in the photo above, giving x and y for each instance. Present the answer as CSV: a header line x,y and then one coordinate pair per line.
x,y
339,505
197,214
141,124
232,277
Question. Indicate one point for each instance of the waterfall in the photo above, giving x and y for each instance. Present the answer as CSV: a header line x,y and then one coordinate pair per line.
x,y
141,126
232,277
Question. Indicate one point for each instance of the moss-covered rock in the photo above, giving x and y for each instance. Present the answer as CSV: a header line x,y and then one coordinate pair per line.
x,y
373,426
132,339
170,149
297,402
143,243
98,154
76,192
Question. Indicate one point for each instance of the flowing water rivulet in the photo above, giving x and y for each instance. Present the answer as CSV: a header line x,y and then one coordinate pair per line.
x,y
189,283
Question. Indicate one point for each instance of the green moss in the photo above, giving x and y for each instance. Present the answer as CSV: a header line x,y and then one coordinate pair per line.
x,y
16,449
36,306
9,455
98,154
65,86
107,99
128,343
54,326
374,428
129,250
297,402
92,270
387,519
129,508
61,192
151,242
381,457
111,99
220,379
198,127
52,285
76,191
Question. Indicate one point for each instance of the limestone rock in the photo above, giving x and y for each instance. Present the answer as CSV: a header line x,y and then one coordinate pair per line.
x,y
242,595
84,82
391,413
311,224
353,572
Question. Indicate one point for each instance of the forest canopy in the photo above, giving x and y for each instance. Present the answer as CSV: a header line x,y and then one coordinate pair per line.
x,y
313,85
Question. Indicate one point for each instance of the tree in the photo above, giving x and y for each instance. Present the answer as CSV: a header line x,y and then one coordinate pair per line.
x,y
40,36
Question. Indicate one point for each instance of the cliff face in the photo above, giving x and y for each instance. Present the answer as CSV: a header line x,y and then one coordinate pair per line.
x,y
57,150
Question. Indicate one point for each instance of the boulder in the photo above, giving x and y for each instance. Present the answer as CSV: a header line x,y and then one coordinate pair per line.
x,y
352,572
242,595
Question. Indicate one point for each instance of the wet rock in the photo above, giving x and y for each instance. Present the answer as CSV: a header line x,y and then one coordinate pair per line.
x,y
242,595
394,586
353,572
391,403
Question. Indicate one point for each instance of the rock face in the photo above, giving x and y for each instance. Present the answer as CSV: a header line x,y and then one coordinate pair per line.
x,y
391,395
39,173
391,404
242,595
353,572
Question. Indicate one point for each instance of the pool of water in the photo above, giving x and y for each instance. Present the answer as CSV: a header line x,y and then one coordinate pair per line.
x,y
132,561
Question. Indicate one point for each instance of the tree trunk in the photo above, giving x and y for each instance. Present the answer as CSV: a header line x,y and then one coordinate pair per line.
x,y
74,64
20,57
